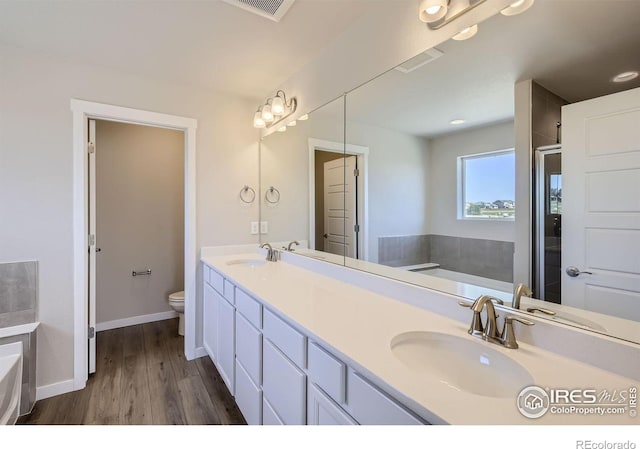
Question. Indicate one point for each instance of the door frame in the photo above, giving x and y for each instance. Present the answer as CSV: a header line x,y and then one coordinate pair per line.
x,y
362,154
82,112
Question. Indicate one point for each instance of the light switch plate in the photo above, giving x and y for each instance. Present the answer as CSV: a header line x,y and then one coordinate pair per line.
x,y
264,227
254,228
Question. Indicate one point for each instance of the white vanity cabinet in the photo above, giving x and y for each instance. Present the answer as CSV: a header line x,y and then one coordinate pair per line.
x,y
280,376
219,325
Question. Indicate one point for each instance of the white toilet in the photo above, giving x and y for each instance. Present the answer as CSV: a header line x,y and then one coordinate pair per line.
x,y
176,301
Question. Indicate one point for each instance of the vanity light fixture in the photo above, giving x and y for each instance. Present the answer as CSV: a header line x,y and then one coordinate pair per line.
x,y
625,76
467,33
433,10
302,118
457,121
438,13
293,123
517,7
282,129
274,111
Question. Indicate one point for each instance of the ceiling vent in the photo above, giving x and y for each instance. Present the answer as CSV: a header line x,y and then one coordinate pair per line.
x,y
418,61
271,9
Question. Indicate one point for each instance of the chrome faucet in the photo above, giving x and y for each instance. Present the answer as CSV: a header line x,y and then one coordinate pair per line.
x,y
518,292
272,254
489,332
293,242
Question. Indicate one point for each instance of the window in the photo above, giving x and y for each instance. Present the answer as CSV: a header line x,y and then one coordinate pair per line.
x,y
486,186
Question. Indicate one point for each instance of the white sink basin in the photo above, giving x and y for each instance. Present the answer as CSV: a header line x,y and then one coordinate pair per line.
x,y
461,363
253,263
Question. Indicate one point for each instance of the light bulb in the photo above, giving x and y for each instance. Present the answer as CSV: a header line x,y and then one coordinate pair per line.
x,y
282,129
302,118
277,106
257,120
517,7
467,33
267,116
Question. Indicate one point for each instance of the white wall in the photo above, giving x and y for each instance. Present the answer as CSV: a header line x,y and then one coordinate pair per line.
x,y
444,152
36,174
398,167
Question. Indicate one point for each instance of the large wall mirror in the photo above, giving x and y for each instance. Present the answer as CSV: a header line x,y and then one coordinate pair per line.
x,y
455,162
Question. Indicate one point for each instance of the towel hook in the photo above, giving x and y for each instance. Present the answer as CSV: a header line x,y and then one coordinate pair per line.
x,y
247,194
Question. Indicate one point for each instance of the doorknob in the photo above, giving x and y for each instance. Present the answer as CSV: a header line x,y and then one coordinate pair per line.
x,y
326,236
575,272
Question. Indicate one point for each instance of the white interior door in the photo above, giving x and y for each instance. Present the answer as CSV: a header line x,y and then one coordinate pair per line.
x,y
91,146
339,206
601,204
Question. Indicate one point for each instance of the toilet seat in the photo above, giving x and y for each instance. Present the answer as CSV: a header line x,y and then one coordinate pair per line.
x,y
177,296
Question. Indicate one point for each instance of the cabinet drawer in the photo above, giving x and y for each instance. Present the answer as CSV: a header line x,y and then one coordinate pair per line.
x,y
368,405
291,342
327,372
284,386
249,348
269,416
249,307
214,279
229,291
248,396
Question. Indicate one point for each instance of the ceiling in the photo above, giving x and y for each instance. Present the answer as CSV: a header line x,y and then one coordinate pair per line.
x,y
571,47
210,43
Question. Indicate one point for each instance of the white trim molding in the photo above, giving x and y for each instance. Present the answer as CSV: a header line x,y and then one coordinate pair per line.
x,y
362,153
55,389
82,111
132,321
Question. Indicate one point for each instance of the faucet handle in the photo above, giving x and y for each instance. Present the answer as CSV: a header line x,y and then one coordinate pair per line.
x,y
508,336
465,304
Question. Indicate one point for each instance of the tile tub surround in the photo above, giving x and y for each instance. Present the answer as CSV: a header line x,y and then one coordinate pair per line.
x,y
26,334
491,259
327,302
18,293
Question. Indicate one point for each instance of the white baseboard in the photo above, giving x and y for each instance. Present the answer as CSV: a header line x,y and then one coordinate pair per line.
x,y
47,391
201,352
132,321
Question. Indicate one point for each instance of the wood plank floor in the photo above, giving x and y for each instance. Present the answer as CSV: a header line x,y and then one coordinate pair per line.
x,y
142,377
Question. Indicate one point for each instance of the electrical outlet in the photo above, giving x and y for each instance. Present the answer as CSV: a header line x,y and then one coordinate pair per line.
x,y
264,227
254,227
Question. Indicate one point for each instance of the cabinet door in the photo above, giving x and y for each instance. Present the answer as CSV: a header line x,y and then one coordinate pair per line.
x,y
248,396
210,322
283,385
322,411
226,342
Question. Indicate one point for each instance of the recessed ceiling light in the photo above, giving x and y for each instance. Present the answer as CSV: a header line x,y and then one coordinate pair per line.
x,y
624,77
465,34
457,121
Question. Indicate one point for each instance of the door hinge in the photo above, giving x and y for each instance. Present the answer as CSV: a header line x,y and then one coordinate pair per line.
x,y
91,147
92,332
92,239
356,228
356,172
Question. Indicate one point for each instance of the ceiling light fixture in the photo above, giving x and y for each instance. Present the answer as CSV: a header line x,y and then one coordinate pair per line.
x,y
624,77
274,111
465,34
457,121
517,7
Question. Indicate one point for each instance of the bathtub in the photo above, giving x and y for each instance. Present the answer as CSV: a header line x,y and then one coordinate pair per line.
x,y
10,382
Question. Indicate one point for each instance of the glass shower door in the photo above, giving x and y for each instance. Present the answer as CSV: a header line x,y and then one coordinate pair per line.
x,y
549,223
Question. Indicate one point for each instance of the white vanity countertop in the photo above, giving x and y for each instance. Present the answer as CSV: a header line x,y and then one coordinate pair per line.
x,y
360,325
